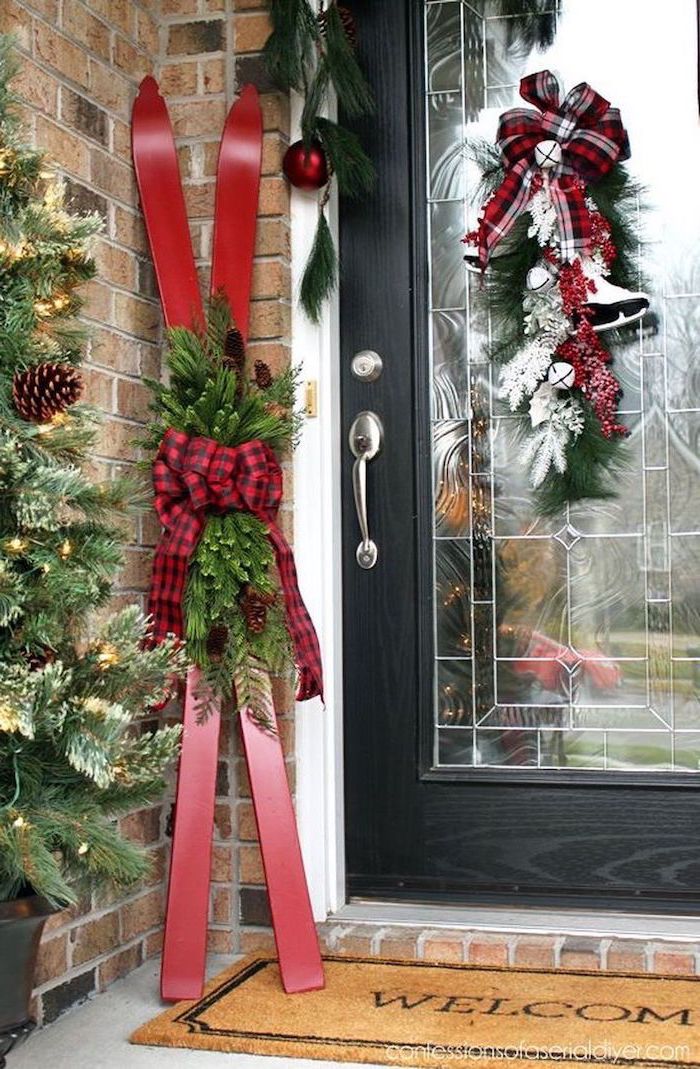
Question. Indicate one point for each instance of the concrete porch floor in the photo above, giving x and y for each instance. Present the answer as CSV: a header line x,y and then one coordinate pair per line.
x,y
94,1035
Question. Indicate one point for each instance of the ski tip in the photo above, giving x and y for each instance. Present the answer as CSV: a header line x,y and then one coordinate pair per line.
x,y
249,93
148,89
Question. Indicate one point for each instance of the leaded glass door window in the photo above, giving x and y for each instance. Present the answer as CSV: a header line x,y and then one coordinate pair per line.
x,y
571,642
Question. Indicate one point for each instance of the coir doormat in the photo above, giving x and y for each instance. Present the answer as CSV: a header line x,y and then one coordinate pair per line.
x,y
421,1014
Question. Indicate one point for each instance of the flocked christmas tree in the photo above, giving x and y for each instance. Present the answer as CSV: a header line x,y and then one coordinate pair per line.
x,y
71,755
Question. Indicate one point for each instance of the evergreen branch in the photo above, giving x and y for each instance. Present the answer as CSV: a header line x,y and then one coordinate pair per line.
x,y
352,167
355,97
320,273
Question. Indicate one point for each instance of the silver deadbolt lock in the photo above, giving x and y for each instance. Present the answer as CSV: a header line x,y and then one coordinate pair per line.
x,y
366,365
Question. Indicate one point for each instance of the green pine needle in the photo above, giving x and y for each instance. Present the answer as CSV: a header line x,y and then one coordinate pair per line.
x,y
287,50
354,94
314,101
349,162
320,273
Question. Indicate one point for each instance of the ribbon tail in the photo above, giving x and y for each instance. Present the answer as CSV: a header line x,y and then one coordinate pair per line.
x,y
307,653
574,221
167,589
504,208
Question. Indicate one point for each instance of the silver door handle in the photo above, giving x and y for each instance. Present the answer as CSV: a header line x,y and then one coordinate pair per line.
x,y
365,439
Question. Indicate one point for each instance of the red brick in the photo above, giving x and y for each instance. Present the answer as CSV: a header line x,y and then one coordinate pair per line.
x,y
222,821
143,826
626,955
58,52
196,117
135,316
676,962
133,399
535,951
220,941
399,945
98,388
247,828
447,947
221,905
251,32
115,351
178,79
85,28
94,938
36,86
580,953
257,941
109,88
251,869
52,960
118,965
153,944
221,864
142,914
488,950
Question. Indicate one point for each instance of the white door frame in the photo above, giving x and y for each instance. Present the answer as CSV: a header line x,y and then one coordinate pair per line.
x,y
317,550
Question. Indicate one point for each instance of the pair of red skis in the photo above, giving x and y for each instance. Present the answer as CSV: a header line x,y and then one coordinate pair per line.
x,y
163,204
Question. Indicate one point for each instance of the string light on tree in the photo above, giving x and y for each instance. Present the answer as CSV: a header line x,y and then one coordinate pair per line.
x,y
16,546
107,656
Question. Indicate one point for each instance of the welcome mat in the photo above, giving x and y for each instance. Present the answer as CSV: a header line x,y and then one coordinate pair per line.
x,y
421,1014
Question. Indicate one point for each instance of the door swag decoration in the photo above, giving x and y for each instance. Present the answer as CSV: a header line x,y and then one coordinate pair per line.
x,y
218,486
314,53
557,236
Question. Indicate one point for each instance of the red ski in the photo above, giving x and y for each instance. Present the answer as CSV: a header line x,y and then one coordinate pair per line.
x,y
238,181
235,220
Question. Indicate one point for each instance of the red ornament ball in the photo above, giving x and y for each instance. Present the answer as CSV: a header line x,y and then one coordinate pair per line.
x,y
306,169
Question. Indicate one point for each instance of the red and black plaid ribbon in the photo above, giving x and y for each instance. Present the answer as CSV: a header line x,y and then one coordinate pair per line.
x,y
196,476
592,140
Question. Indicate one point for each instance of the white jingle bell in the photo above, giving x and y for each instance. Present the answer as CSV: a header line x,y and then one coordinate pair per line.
x,y
548,154
561,375
539,279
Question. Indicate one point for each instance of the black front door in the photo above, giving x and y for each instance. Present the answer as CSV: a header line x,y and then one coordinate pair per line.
x,y
522,722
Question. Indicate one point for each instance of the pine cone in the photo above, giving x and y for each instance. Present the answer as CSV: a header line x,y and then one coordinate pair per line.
x,y
216,641
273,408
348,20
254,606
263,375
234,351
39,659
44,390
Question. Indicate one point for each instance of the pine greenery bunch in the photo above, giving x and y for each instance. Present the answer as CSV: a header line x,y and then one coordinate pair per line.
x,y
71,755
593,462
206,396
315,54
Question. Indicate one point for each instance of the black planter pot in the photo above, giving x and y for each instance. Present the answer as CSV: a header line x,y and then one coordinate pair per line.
x,y
21,924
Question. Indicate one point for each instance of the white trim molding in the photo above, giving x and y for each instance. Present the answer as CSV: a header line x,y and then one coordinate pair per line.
x,y
317,549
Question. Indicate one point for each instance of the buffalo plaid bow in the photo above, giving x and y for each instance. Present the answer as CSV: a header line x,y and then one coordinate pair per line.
x,y
592,139
193,476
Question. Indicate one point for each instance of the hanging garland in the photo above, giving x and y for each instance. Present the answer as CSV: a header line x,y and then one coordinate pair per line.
x,y
315,54
557,235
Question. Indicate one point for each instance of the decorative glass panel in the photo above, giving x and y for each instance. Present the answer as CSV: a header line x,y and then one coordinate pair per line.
x,y
573,641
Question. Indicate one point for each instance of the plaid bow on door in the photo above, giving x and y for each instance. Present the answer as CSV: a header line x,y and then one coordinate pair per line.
x,y
592,140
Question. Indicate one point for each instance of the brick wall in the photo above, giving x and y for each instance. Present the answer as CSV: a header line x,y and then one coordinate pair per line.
x,y
81,64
